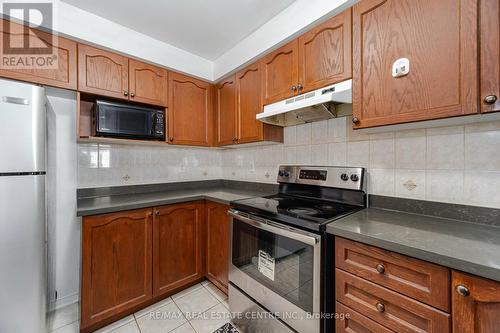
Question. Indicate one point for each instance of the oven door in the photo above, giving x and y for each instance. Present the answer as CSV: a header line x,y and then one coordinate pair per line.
x,y
279,267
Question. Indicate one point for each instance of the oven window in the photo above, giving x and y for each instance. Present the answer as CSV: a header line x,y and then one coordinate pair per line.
x,y
281,264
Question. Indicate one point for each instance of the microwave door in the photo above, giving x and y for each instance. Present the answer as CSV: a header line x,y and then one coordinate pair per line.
x,y
124,121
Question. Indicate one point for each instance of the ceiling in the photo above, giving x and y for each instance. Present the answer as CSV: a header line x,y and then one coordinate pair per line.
x,y
207,28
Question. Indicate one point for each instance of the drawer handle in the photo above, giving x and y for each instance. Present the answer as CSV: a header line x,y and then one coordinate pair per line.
x,y
380,307
462,290
380,268
490,99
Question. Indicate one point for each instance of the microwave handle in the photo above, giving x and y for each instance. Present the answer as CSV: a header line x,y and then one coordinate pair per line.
x,y
277,229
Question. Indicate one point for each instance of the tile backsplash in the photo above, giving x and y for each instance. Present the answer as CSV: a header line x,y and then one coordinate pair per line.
x,y
458,164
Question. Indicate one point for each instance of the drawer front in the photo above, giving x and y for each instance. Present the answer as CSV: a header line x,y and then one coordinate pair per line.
x,y
355,322
390,309
426,282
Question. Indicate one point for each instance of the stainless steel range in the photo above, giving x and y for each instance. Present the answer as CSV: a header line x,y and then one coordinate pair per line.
x,y
280,251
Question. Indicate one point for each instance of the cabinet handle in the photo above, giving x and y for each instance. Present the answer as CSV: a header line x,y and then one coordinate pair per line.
x,y
462,290
380,307
490,99
300,86
355,120
132,95
380,268
125,93
294,88
171,139
157,213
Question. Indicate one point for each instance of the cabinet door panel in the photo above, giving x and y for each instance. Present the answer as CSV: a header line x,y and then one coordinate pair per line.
x,y
325,53
190,113
489,25
480,311
280,73
249,104
148,83
218,244
102,72
440,40
177,246
63,75
226,112
116,264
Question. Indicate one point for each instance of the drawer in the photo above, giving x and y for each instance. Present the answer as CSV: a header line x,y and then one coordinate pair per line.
x,y
426,282
390,309
356,322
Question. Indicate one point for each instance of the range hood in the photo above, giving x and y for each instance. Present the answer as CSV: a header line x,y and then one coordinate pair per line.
x,y
315,105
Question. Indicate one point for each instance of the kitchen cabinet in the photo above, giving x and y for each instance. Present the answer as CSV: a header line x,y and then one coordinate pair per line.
x,y
116,264
226,112
190,113
61,74
475,303
489,38
218,244
325,53
178,246
439,38
148,83
280,73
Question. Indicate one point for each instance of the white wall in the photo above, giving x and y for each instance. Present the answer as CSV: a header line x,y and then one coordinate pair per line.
x,y
62,223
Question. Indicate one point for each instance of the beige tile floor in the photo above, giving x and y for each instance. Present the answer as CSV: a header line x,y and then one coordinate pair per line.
x,y
201,308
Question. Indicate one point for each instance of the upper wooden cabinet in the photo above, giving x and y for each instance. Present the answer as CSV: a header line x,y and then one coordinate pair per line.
x,y
280,73
190,113
101,72
475,304
489,25
116,264
178,246
226,112
218,244
62,75
148,83
440,40
325,53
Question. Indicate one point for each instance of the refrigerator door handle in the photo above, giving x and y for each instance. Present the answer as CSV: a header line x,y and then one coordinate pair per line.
x,y
15,100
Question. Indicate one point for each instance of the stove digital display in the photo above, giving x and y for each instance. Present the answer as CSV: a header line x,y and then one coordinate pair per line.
x,y
313,174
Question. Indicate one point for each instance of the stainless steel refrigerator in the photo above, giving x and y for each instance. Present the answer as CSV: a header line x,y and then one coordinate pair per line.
x,y
22,208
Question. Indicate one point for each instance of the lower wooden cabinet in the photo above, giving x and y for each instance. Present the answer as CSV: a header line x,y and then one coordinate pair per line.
x,y
178,232
218,244
116,264
356,323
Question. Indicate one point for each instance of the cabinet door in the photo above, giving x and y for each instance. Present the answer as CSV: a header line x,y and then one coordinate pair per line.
x,y
148,83
116,264
61,74
218,244
190,113
280,73
325,53
249,104
226,112
490,55
479,310
101,72
177,246
440,40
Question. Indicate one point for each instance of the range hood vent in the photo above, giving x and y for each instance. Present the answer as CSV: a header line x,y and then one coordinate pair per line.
x,y
313,106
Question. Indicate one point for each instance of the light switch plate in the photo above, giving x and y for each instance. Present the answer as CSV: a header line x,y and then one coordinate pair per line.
x,y
401,67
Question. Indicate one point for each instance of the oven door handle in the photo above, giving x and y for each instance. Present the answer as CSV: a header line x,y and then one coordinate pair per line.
x,y
275,228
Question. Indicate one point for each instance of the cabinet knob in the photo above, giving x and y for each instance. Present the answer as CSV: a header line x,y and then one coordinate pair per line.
x,y
380,268
132,95
300,86
462,290
380,307
355,120
171,139
157,212
490,99
125,93
294,88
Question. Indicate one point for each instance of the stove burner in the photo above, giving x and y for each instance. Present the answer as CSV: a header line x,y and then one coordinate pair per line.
x,y
326,207
303,211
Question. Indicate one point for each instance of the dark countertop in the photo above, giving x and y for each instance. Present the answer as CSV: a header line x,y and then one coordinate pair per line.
x,y
469,247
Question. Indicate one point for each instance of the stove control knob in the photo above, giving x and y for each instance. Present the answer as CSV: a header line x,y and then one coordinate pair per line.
x,y
354,177
287,174
344,177
281,173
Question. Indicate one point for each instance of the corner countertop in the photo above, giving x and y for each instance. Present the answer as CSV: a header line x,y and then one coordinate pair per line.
x,y
469,247
121,202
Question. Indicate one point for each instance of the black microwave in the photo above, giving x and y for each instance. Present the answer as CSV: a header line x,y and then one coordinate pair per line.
x,y
128,121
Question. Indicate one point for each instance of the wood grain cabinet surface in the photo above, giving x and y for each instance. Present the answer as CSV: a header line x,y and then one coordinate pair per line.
x,y
116,264
355,322
226,111
217,253
148,83
489,37
440,40
178,246
62,75
190,112
476,304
